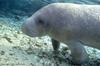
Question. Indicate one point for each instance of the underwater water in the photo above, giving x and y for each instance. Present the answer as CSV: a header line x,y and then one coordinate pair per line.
x,y
17,49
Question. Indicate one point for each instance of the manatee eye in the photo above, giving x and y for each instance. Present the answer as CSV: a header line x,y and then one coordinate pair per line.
x,y
43,23
40,21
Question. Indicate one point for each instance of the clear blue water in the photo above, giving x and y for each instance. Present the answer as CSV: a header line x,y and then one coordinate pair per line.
x,y
85,1
76,1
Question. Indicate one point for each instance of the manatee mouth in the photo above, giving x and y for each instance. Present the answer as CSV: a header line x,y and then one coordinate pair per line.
x,y
27,30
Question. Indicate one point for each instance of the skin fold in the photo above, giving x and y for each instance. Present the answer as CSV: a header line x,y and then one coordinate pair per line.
x,y
75,25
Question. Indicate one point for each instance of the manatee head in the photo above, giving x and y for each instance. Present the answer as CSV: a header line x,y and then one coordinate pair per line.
x,y
34,27
41,23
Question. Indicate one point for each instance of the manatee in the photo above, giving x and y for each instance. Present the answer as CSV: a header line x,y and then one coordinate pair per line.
x,y
75,25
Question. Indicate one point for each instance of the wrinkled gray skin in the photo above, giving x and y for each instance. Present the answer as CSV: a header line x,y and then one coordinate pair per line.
x,y
73,24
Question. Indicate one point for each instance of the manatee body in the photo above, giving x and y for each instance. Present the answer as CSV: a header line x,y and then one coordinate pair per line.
x,y
73,24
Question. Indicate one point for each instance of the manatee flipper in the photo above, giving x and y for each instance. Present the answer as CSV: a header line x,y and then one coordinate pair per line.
x,y
79,54
55,44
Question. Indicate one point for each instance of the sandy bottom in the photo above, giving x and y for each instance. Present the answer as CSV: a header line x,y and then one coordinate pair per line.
x,y
17,49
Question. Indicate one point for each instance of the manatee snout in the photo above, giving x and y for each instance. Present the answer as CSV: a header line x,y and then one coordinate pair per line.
x,y
24,28
29,28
